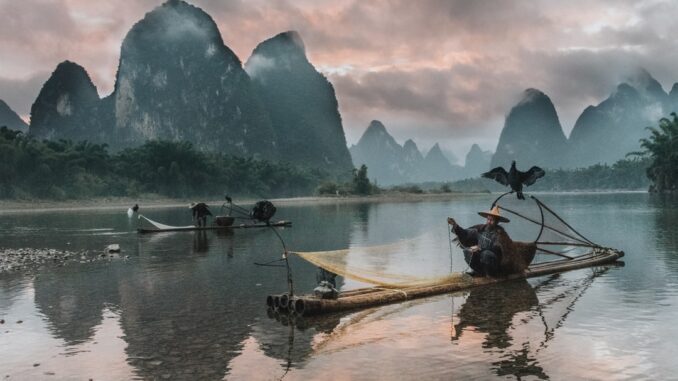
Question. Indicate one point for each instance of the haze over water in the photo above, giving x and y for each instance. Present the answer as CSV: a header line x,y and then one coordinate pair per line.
x,y
190,305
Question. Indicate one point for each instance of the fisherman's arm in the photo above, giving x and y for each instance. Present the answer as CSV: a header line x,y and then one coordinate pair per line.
x,y
466,236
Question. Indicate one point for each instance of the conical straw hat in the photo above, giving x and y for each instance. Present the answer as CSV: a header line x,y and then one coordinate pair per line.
x,y
495,213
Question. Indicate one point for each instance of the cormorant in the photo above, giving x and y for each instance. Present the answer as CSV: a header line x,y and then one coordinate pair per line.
x,y
515,178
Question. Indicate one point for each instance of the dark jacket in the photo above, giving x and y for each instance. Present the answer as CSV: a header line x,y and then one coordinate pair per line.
x,y
485,236
201,210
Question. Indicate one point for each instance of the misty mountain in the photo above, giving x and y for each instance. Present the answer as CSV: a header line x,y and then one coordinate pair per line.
x,y
67,106
436,167
477,161
412,156
389,163
532,134
301,103
607,132
673,98
11,119
177,80
383,156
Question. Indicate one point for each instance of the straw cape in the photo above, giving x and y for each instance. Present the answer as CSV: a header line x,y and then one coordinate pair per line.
x,y
494,213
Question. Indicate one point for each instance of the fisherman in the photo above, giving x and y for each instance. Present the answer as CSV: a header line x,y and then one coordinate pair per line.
x,y
200,212
482,248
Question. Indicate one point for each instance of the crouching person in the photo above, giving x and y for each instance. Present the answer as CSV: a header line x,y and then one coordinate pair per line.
x,y
482,243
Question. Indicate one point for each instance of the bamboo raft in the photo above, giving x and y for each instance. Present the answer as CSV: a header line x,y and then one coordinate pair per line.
x,y
214,227
307,305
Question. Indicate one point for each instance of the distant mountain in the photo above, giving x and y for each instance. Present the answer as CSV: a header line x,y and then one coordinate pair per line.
x,y
532,134
436,167
389,163
673,99
607,132
302,105
67,106
412,156
177,80
477,161
383,156
11,119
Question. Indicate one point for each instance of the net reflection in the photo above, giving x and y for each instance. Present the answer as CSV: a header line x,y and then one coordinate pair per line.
x,y
519,319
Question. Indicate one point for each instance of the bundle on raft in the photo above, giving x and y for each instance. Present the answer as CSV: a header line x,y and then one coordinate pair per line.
x,y
221,223
391,288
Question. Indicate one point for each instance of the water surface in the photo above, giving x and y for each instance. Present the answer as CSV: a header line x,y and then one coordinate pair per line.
x,y
190,305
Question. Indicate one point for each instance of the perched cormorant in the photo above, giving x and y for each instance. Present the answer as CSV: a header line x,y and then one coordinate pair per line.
x,y
515,178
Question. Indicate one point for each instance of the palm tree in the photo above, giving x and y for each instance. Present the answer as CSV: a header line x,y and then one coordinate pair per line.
x,y
662,149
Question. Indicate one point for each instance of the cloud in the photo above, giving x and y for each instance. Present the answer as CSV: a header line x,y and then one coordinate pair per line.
x,y
432,70
20,93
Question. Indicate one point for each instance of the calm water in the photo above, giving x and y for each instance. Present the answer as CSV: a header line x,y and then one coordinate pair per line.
x,y
190,305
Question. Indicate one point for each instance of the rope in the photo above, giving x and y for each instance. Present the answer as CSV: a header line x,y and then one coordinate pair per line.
x,y
548,227
563,221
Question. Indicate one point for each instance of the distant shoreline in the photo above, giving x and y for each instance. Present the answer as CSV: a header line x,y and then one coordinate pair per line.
x,y
150,202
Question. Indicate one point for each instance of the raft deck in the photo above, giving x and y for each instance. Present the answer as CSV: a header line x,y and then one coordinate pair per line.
x,y
307,305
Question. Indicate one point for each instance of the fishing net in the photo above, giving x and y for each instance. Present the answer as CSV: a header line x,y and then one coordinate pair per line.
x,y
533,227
146,222
390,265
555,238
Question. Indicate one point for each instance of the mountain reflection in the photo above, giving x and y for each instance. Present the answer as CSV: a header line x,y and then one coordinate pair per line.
x,y
187,301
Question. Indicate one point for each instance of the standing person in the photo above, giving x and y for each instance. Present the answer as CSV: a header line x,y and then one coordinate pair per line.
x,y
482,243
200,211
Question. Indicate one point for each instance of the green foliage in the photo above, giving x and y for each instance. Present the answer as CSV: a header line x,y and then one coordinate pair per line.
x,y
63,169
661,149
361,184
628,174
410,188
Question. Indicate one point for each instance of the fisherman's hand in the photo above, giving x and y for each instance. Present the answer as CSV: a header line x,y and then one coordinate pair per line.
x,y
451,221
474,248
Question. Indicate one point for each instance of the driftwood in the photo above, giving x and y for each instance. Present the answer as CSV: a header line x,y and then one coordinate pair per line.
x,y
369,297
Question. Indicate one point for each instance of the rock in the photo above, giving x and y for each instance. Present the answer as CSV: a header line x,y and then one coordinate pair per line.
x,y
19,321
113,248
302,105
36,364
2,321
532,134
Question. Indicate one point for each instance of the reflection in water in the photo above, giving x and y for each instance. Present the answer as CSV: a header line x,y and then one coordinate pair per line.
x,y
191,306
491,309
501,311
73,300
200,243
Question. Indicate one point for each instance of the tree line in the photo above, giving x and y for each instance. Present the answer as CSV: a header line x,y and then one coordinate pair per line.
x,y
63,169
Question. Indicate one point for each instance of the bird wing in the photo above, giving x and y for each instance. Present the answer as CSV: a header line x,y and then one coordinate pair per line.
x,y
498,174
528,178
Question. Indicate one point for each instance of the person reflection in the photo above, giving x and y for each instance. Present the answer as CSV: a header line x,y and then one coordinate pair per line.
x,y
490,310
200,242
225,236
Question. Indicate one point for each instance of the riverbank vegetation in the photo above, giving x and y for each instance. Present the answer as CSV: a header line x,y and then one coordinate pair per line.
x,y
661,151
66,170
61,170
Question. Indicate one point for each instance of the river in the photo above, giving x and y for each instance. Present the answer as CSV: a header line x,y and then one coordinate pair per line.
x,y
190,305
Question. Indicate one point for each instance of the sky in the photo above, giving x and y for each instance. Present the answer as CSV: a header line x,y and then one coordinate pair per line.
x,y
444,71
